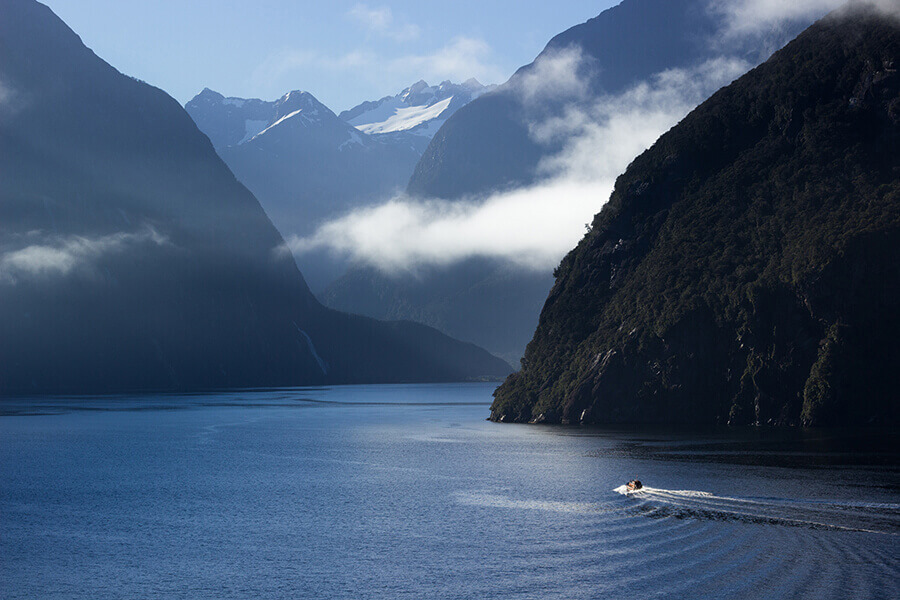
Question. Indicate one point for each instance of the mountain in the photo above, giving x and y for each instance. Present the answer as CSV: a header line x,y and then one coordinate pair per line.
x,y
232,121
131,257
420,109
746,269
481,301
305,164
487,145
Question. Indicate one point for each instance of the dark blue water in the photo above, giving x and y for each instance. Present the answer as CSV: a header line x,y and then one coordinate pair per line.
x,y
406,492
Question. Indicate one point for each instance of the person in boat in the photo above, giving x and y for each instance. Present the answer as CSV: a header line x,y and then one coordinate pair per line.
x,y
634,484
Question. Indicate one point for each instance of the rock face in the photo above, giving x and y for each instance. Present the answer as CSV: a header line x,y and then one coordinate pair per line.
x,y
131,258
746,269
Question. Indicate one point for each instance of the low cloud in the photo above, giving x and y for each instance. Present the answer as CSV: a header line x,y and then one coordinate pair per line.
x,y
404,233
751,17
380,21
603,138
744,17
60,256
530,227
559,75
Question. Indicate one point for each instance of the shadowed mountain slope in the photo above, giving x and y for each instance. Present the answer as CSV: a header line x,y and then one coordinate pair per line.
x,y
131,258
746,268
487,146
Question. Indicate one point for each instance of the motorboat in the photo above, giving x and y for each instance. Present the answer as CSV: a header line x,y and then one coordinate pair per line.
x,y
634,485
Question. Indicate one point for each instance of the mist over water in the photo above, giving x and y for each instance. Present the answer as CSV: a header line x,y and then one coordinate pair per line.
x,y
407,492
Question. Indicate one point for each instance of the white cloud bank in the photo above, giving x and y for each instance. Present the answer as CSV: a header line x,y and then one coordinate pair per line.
x,y
744,17
530,227
557,75
61,256
752,16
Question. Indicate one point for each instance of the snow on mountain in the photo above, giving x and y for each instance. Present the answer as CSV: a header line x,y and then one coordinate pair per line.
x,y
229,121
308,113
420,109
279,121
400,118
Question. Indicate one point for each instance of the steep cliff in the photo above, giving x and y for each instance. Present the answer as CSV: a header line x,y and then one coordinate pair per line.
x,y
746,268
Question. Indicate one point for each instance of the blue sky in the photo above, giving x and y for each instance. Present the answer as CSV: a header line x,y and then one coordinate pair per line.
x,y
343,52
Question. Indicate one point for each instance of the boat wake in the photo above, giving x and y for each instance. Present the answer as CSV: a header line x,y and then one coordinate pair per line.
x,y
883,518
489,500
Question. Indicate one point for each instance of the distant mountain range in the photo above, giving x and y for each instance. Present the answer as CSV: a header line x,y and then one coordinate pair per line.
x,y
488,146
131,258
305,164
746,269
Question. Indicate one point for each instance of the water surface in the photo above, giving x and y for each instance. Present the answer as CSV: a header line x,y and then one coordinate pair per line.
x,y
407,492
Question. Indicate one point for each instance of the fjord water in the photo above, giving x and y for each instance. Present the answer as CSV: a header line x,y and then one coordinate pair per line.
x,y
407,492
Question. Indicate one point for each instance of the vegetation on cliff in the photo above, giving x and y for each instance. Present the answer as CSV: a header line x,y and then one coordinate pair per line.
x,y
746,268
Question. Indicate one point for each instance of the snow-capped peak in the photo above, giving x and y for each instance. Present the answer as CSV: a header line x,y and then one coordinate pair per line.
x,y
405,118
420,108
416,88
296,100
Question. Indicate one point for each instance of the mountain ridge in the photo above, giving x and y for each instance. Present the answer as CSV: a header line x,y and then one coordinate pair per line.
x,y
745,269
131,258
383,116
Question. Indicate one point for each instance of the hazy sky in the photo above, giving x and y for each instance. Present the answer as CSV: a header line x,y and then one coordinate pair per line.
x,y
343,52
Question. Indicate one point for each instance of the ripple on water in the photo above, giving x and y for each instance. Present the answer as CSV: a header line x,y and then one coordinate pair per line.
x,y
694,541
